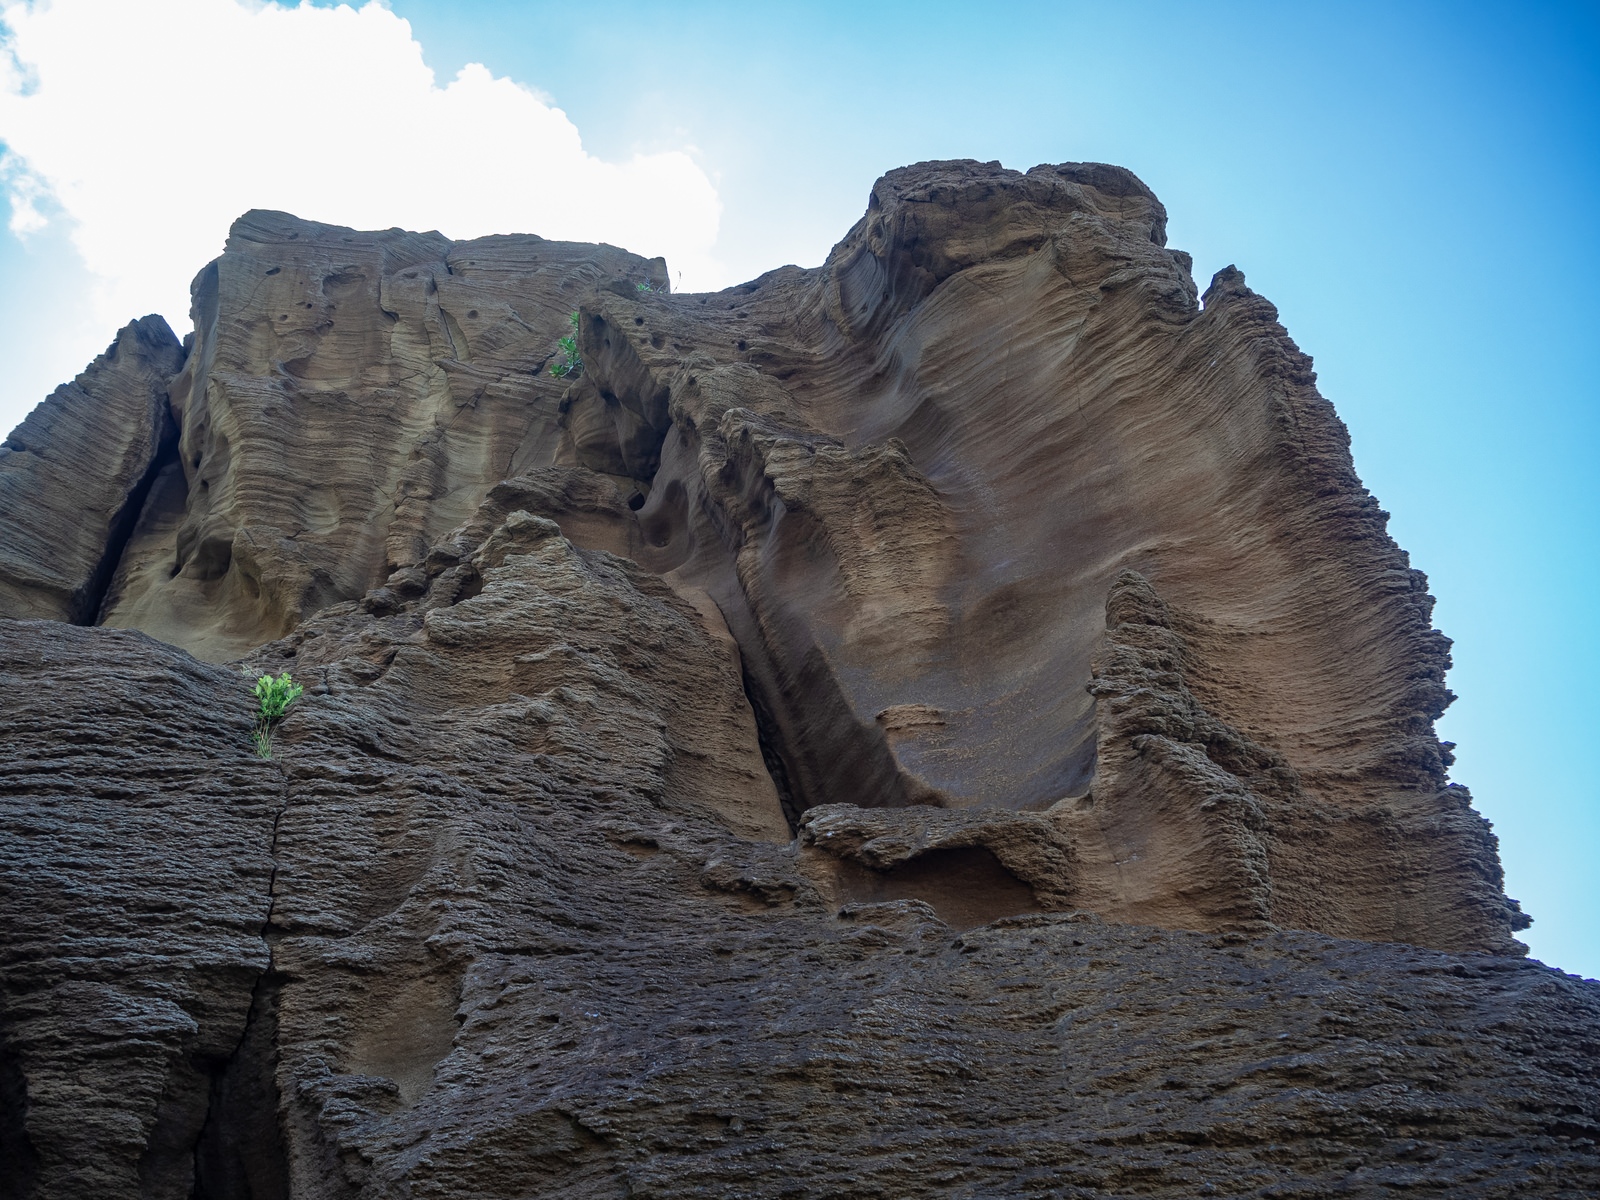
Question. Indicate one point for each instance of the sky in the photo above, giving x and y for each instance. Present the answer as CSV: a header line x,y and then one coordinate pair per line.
x,y
1414,185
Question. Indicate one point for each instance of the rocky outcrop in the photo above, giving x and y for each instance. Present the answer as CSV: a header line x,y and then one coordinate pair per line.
x,y
949,722
74,477
1193,823
348,398
912,479
471,934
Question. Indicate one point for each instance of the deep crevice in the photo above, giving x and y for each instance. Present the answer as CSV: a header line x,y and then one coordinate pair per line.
x,y
19,1161
240,1153
89,600
767,735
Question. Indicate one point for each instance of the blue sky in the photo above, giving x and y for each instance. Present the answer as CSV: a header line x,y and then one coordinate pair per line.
x,y
1414,186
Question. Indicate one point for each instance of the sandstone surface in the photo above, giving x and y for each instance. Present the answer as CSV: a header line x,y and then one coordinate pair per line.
x,y
74,477
949,722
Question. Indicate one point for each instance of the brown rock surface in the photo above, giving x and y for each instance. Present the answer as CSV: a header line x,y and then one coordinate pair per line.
x,y
349,397
945,723
74,477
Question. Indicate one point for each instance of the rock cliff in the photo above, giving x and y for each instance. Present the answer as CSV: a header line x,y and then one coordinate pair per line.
x,y
949,722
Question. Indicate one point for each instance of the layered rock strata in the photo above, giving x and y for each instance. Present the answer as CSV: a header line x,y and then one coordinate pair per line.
x,y
347,399
75,476
462,940
948,722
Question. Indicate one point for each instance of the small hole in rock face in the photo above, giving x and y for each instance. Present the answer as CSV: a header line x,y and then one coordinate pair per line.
x,y
638,320
741,344
274,270
472,314
636,501
283,316
196,461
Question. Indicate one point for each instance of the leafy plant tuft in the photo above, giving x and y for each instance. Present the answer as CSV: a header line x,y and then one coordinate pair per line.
x,y
273,698
567,361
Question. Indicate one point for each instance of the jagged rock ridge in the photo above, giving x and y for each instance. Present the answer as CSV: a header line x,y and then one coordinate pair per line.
x,y
763,763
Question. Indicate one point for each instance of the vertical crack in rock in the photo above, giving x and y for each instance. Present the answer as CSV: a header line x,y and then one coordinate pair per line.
x,y
135,831
767,736
88,605
240,1153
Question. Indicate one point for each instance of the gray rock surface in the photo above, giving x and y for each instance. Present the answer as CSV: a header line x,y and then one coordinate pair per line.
x,y
509,957
136,863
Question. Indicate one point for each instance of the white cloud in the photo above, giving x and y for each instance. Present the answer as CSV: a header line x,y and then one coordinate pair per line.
x,y
149,125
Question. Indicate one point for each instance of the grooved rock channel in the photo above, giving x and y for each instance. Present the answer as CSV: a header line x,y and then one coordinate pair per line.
x,y
949,722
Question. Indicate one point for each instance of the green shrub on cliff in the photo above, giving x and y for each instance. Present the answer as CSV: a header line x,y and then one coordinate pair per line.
x,y
567,360
273,697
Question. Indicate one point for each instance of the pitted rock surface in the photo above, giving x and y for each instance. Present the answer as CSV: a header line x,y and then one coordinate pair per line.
x,y
945,723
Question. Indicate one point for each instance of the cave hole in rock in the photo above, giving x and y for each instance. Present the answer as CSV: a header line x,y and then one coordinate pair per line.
x,y
665,518
966,886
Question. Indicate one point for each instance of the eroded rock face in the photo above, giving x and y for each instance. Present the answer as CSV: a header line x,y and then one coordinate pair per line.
x,y
914,479
74,477
349,397
498,949
949,722
136,853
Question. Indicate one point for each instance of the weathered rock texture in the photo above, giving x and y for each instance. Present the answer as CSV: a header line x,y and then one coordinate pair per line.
x,y
348,399
945,723
74,477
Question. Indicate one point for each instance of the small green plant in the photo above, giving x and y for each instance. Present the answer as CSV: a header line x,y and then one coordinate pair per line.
x,y
567,362
273,697
643,287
